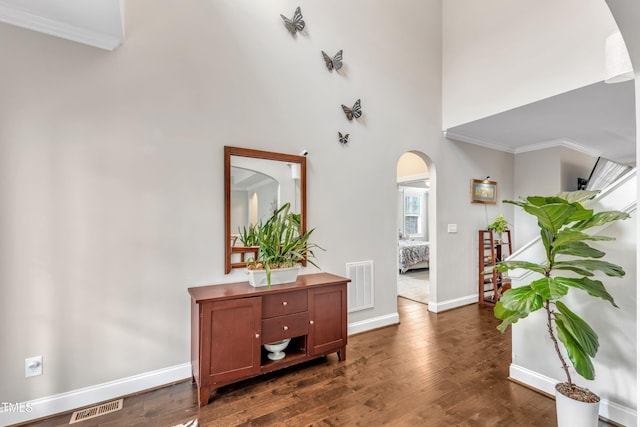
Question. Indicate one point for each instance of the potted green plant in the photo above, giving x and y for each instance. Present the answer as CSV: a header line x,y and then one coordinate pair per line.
x,y
562,221
248,235
282,247
499,226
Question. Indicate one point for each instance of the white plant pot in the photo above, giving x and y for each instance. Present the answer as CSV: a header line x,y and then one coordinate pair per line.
x,y
258,278
573,413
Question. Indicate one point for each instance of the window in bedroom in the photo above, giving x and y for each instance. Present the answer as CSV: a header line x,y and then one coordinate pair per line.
x,y
413,212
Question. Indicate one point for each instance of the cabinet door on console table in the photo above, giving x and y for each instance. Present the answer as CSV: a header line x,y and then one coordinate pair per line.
x,y
328,320
231,350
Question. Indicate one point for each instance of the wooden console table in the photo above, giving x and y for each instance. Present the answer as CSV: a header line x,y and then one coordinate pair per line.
x,y
231,322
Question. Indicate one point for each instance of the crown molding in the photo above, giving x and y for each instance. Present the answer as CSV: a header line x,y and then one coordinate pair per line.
x,y
525,148
558,143
30,21
478,141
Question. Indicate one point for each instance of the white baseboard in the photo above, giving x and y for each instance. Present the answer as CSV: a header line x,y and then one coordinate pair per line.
x,y
437,307
373,323
64,402
608,409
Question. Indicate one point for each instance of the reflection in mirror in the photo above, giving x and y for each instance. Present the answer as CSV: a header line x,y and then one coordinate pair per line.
x,y
259,187
254,196
257,183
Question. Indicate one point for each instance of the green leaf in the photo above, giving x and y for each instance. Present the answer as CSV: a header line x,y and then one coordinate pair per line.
x,y
553,216
549,289
592,287
580,249
579,358
581,266
508,317
580,214
547,237
579,339
579,329
568,266
599,219
526,265
568,235
541,200
578,196
516,202
523,300
537,200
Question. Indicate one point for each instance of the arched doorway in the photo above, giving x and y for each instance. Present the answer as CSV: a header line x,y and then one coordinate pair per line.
x,y
416,230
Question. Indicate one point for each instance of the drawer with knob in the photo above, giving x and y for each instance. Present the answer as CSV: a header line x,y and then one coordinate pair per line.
x,y
278,328
281,304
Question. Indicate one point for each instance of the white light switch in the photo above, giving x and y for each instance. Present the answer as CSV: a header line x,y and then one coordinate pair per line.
x,y
452,228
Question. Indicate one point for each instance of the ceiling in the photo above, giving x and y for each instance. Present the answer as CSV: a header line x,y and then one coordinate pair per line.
x,y
598,119
98,23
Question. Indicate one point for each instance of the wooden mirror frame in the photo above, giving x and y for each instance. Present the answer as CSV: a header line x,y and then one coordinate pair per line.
x,y
257,154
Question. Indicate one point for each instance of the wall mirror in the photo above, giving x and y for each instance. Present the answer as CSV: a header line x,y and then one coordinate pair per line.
x,y
256,183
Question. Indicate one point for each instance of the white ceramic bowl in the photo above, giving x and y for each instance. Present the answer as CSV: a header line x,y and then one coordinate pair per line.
x,y
275,349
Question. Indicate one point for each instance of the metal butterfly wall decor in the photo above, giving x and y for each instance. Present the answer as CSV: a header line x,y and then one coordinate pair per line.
x,y
343,139
354,112
335,62
296,23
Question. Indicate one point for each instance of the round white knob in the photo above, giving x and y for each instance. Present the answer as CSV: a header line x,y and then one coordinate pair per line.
x,y
286,328
311,322
284,303
257,335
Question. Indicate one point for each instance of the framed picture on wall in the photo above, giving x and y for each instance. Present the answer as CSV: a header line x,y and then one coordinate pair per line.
x,y
484,191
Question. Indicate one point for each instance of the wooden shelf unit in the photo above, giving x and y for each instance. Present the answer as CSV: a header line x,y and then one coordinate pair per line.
x,y
492,248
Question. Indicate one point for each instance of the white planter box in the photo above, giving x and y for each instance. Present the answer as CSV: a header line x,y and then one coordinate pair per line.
x,y
258,278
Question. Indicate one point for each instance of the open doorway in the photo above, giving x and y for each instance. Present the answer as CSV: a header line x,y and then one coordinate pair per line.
x,y
413,181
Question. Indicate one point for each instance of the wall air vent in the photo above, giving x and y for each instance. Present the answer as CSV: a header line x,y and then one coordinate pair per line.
x,y
361,286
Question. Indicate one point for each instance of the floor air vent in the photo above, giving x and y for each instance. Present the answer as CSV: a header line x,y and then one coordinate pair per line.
x,y
96,411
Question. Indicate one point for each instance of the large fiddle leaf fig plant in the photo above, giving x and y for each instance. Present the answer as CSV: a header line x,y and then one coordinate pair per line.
x,y
562,221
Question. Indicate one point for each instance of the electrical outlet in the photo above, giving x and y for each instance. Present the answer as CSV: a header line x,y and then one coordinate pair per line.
x,y
32,366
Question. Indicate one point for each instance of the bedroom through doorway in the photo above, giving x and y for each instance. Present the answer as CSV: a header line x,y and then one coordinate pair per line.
x,y
413,183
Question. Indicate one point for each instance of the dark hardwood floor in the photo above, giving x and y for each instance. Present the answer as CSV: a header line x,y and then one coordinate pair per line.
x,y
448,369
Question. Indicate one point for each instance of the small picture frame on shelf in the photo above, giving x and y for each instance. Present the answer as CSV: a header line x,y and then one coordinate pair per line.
x,y
484,191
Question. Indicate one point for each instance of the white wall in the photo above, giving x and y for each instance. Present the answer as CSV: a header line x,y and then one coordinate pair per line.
x,y
239,210
545,173
472,162
111,170
501,54
537,173
626,14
